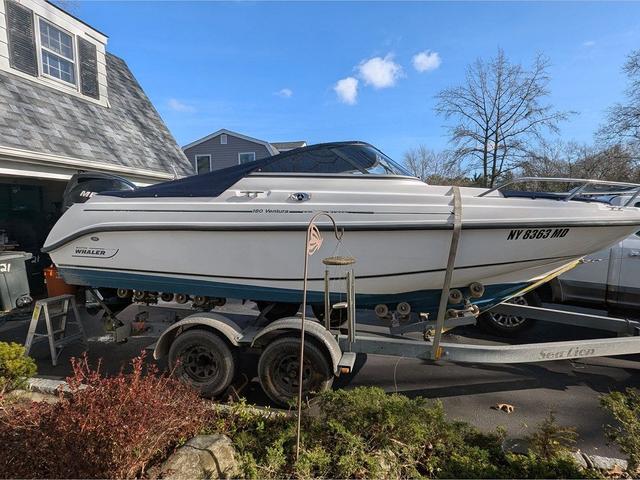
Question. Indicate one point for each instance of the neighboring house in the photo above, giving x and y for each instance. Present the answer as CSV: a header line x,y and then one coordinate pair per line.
x,y
66,105
225,148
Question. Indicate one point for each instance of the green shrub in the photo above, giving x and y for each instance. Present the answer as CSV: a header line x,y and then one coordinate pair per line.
x,y
551,440
625,408
15,366
365,433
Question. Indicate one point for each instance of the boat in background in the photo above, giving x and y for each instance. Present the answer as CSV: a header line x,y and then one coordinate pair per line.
x,y
239,233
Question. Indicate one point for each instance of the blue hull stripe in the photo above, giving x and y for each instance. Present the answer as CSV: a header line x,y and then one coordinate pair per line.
x,y
420,300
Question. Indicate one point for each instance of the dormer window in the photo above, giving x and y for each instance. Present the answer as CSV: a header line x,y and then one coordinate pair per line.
x,y
52,48
57,53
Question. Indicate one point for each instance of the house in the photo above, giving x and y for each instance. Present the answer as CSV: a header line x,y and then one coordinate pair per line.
x,y
67,105
225,148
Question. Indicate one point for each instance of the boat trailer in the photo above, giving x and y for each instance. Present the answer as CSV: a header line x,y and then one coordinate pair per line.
x,y
242,334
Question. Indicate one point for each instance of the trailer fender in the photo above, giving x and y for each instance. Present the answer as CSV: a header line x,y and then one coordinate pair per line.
x,y
311,328
219,323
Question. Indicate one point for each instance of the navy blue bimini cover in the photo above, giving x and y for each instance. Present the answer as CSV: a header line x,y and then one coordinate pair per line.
x,y
209,184
327,158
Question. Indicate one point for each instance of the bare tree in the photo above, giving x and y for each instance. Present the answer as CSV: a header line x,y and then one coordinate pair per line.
x,y
498,113
576,160
432,166
547,160
615,163
623,122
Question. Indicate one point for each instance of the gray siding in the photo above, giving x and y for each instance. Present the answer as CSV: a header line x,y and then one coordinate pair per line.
x,y
223,156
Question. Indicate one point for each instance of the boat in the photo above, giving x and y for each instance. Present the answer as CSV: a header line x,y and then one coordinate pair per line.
x,y
240,232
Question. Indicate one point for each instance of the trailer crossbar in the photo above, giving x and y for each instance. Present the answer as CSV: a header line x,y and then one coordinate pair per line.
x,y
617,325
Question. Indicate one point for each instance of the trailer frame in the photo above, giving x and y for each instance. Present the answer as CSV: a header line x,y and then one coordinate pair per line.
x,y
165,323
394,343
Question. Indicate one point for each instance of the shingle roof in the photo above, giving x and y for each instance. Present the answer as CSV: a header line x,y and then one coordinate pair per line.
x,y
129,133
288,145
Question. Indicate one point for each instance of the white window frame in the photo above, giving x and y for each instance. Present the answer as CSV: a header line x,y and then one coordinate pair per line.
x,y
223,139
74,47
202,156
246,153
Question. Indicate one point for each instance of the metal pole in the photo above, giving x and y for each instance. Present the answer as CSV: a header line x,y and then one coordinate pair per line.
x,y
453,249
351,307
309,249
327,301
304,313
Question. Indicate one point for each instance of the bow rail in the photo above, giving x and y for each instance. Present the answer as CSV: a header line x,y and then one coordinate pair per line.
x,y
581,190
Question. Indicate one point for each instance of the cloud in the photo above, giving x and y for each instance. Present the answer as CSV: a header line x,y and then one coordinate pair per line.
x,y
426,61
380,72
178,106
347,90
589,43
284,93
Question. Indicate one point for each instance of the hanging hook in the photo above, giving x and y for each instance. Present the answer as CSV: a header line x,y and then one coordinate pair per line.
x,y
313,242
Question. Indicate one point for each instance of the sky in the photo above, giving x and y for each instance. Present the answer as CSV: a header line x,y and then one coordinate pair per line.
x,y
282,71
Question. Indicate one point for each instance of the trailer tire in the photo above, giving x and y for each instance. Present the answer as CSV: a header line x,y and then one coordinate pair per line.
x,y
509,325
278,370
203,360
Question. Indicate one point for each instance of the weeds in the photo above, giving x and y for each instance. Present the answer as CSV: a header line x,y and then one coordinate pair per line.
x,y
551,440
625,409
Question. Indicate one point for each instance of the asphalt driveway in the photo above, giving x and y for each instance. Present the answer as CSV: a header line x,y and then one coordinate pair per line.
x,y
468,391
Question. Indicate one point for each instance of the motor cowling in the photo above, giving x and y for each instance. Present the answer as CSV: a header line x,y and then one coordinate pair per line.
x,y
82,186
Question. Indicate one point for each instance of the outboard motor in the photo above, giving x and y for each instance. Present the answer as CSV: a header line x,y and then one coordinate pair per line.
x,y
83,186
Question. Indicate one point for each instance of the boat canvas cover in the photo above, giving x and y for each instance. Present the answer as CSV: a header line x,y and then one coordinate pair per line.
x,y
328,158
205,185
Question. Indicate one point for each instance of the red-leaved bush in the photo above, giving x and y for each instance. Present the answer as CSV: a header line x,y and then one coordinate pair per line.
x,y
106,427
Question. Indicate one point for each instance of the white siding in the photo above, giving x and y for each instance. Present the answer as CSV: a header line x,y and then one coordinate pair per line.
x,y
4,49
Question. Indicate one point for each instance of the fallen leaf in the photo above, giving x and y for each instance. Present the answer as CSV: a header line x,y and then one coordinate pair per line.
x,y
505,407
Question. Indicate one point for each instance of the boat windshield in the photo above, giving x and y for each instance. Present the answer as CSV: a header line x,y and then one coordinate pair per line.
x,y
358,159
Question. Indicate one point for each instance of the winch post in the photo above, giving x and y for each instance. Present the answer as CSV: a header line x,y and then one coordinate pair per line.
x,y
453,250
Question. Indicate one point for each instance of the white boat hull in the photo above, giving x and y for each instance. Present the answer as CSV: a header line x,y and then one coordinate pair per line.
x,y
217,247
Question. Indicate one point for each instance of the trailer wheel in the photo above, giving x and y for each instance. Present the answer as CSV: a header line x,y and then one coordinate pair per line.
x,y
278,370
203,360
509,325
